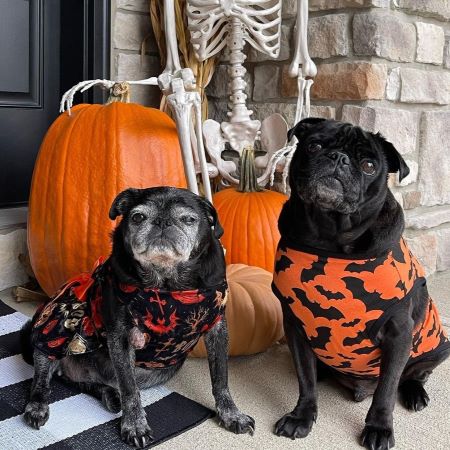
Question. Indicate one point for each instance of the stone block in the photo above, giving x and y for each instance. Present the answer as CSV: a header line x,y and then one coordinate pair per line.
x,y
398,197
134,67
137,67
326,112
393,85
439,9
266,84
134,5
446,57
217,109
288,85
289,8
130,30
398,126
347,81
287,110
12,244
427,218
328,36
411,199
286,39
218,86
434,159
422,86
424,248
318,5
443,249
430,43
384,35
263,110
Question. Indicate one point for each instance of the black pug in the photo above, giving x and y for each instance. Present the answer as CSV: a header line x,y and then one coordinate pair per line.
x,y
132,322
354,298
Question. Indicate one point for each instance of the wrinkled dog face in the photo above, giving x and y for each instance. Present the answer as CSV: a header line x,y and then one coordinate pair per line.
x,y
162,226
162,234
338,167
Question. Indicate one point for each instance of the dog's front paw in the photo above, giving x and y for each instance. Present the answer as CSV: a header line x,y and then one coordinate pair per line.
x,y
296,425
136,432
414,396
236,421
377,438
36,414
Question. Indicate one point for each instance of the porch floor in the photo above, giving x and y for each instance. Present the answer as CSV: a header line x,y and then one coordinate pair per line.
x,y
265,387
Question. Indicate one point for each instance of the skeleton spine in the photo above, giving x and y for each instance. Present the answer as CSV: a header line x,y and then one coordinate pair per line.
x,y
236,72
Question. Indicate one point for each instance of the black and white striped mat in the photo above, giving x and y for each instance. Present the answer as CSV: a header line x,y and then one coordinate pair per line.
x,y
77,421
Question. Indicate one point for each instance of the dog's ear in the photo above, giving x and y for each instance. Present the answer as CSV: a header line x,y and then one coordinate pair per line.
x,y
302,126
124,202
395,161
213,219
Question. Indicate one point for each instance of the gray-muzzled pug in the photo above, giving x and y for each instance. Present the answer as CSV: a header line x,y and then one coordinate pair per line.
x,y
354,297
131,323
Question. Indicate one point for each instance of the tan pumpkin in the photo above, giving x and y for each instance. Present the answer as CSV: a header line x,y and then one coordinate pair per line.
x,y
253,313
85,160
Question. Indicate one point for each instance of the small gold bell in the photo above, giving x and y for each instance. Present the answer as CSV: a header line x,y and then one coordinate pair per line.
x,y
76,346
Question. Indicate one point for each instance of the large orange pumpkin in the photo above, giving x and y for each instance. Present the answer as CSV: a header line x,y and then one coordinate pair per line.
x,y
85,160
249,217
253,313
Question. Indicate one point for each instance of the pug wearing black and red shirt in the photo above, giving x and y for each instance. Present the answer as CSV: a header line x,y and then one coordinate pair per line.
x,y
131,322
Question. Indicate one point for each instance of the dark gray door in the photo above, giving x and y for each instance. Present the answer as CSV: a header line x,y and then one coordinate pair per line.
x,y
46,46
29,89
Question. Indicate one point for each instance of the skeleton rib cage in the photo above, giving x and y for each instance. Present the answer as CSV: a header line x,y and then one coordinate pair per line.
x,y
209,23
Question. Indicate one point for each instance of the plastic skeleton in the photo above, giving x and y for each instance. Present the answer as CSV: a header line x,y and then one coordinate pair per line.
x,y
214,25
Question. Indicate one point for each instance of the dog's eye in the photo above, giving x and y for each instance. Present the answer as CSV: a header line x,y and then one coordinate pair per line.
x,y
314,147
368,167
137,217
188,220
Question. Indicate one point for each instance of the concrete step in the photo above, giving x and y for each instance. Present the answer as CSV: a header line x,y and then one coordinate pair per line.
x,y
13,242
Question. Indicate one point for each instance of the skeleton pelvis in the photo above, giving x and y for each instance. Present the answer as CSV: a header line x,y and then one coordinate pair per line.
x,y
241,134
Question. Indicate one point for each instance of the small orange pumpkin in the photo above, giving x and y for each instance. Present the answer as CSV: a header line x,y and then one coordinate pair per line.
x,y
249,217
85,160
253,313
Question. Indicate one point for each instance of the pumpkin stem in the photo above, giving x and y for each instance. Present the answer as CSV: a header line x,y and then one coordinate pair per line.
x,y
248,181
120,92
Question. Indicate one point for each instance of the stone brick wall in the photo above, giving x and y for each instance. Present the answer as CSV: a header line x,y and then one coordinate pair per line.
x,y
383,67
130,29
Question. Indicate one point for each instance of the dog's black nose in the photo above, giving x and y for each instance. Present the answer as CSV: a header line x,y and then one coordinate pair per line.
x,y
340,158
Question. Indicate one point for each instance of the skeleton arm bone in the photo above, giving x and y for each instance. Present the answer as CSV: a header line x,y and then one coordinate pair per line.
x,y
173,60
301,56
